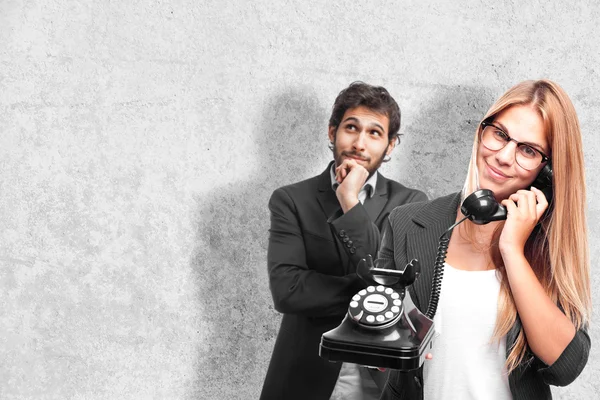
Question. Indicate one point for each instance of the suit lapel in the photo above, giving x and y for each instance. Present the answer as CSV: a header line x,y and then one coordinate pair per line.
x,y
433,220
375,204
326,196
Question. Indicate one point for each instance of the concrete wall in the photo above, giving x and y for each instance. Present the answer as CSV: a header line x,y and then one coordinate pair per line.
x,y
140,141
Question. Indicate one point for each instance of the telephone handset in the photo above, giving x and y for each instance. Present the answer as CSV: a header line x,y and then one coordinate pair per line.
x,y
481,207
383,328
544,181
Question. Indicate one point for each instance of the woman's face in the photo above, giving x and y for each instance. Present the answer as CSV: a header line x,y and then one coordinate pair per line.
x,y
498,169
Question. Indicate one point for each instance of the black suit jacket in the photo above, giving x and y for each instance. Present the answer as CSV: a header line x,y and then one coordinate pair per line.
x,y
413,231
313,252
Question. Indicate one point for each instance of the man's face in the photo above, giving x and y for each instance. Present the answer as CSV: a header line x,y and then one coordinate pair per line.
x,y
362,136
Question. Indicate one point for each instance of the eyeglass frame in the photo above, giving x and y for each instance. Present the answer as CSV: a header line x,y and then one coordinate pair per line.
x,y
545,158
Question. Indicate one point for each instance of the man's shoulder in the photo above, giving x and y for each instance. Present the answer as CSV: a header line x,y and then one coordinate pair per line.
x,y
299,191
300,187
402,194
395,187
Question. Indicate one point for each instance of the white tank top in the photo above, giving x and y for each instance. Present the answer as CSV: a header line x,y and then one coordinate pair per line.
x,y
466,364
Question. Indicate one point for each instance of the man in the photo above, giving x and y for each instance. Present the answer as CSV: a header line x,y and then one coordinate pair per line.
x,y
320,229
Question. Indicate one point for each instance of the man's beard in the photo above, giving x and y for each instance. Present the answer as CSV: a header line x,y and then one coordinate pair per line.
x,y
337,156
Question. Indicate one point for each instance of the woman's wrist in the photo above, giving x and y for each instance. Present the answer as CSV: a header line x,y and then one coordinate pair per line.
x,y
512,252
512,255
509,246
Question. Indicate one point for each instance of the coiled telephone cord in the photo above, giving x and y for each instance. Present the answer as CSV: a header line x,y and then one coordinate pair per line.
x,y
438,271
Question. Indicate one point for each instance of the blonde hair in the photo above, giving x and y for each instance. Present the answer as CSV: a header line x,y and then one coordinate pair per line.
x,y
557,249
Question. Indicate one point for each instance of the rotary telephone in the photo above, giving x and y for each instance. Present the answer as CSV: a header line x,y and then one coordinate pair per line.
x,y
383,328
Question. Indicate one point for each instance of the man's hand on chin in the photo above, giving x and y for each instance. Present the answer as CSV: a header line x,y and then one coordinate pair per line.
x,y
352,177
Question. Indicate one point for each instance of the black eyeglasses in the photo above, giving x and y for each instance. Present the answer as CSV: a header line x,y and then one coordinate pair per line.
x,y
494,138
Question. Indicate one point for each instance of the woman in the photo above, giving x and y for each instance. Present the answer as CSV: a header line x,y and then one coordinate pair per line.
x,y
515,299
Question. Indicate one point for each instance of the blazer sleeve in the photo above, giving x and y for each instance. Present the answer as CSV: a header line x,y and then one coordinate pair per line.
x,y
570,363
358,234
364,235
297,289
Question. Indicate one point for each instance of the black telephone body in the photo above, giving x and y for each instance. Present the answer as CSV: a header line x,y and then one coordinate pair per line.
x,y
383,328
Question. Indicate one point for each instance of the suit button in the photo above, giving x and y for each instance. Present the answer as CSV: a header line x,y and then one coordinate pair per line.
x,y
342,233
352,250
345,239
349,243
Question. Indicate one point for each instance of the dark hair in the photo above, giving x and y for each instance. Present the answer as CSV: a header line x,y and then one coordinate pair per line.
x,y
376,98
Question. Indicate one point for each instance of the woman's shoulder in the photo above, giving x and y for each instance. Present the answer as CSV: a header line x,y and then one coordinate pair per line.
x,y
438,206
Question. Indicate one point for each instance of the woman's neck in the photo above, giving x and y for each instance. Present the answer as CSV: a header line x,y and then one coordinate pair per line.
x,y
470,245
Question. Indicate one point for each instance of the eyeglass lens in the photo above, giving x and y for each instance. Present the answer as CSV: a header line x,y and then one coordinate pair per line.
x,y
495,139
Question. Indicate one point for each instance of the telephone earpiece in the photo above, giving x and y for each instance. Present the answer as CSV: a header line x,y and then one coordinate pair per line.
x,y
481,207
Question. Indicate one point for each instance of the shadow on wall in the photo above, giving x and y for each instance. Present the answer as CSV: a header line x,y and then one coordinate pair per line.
x,y
229,264
439,138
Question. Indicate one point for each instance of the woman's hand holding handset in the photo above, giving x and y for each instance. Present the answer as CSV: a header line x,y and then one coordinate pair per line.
x,y
524,208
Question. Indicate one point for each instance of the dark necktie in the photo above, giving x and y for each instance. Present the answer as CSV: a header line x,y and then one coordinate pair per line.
x,y
370,205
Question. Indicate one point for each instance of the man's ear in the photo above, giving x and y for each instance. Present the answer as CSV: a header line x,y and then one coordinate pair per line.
x,y
391,146
331,133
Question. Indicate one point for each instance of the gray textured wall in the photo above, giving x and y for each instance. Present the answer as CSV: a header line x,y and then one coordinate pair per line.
x,y
140,141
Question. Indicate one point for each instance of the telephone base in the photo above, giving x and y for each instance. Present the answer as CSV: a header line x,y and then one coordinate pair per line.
x,y
385,348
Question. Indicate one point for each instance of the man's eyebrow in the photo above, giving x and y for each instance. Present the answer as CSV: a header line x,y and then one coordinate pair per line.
x,y
359,122
539,147
379,126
